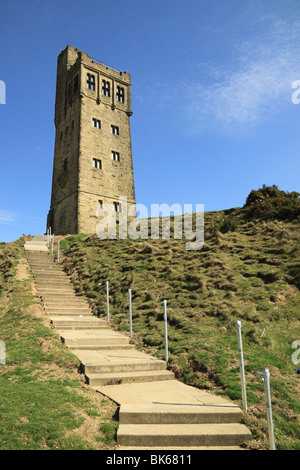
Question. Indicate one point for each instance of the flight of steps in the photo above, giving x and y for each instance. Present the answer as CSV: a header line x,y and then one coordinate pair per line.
x,y
100,349
156,411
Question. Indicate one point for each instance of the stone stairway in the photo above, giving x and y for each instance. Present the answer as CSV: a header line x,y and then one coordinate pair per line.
x,y
156,410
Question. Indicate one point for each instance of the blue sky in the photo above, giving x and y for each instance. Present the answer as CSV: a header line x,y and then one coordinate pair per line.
x,y
211,96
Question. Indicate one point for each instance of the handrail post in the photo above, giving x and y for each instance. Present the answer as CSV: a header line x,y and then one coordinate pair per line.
x,y
107,300
130,313
242,369
166,331
266,376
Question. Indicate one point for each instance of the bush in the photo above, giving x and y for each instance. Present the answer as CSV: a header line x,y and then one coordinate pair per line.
x,y
270,203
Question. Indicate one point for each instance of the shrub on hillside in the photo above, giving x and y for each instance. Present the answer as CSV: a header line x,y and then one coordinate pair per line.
x,y
270,203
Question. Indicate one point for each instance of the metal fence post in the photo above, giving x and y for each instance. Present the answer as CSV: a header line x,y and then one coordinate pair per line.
x,y
266,379
107,301
166,331
130,313
58,247
242,370
52,246
269,408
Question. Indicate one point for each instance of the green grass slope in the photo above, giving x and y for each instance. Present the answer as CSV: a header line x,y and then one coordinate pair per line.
x,y
248,270
44,403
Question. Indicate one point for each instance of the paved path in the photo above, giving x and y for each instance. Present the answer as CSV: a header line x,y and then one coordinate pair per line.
x,y
156,410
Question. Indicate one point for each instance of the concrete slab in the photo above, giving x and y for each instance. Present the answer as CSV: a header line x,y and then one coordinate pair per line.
x,y
171,392
31,247
64,323
109,361
113,357
129,377
71,337
231,434
39,237
37,242
199,413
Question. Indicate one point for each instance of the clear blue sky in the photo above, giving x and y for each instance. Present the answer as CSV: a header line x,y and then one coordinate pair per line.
x,y
211,95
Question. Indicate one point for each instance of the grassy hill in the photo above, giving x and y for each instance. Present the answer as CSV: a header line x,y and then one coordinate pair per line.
x,y
248,270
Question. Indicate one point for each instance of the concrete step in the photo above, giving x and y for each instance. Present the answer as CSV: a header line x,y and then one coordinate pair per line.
x,y
179,414
49,289
37,241
53,282
63,299
45,265
31,247
53,270
39,259
71,313
58,287
93,337
39,237
59,295
37,255
45,268
59,305
101,347
63,292
71,301
117,378
50,275
186,435
67,309
52,279
108,361
78,323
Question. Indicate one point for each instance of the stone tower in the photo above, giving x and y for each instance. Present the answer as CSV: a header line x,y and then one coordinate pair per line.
x,y
93,154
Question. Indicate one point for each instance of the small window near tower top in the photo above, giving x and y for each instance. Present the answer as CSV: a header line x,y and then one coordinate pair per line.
x,y
97,163
117,207
90,82
96,123
115,156
100,204
114,130
120,94
105,88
